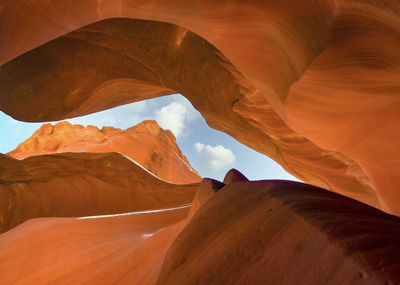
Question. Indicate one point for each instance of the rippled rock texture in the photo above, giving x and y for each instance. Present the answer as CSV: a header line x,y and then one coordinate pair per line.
x,y
281,232
312,84
243,232
81,184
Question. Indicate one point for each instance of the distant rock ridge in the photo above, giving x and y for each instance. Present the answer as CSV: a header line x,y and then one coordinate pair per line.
x,y
149,145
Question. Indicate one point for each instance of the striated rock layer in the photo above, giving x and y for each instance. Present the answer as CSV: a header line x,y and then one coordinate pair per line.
x,y
311,84
81,184
243,232
146,143
281,232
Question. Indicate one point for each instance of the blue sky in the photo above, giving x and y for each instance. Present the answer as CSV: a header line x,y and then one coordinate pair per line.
x,y
212,153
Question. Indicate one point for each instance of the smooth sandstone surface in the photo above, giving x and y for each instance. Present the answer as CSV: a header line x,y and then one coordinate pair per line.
x,y
281,232
126,249
129,62
81,184
146,143
311,84
244,233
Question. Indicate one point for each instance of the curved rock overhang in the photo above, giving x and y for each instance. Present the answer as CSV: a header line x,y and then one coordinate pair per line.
x,y
309,84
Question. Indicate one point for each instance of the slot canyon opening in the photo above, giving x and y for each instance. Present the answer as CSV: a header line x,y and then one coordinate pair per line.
x,y
115,61
210,152
311,84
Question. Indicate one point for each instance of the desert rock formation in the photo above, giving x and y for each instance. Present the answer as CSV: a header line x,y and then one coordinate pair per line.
x,y
281,232
81,184
311,84
314,84
127,249
146,143
243,233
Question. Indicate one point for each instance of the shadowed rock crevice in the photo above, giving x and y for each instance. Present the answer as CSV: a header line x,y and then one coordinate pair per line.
x,y
205,191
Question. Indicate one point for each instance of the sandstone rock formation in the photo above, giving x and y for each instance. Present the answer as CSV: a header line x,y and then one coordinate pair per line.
x,y
281,232
244,233
146,143
127,249
81,184
311,84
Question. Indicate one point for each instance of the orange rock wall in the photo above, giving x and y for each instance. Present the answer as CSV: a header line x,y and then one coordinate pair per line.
x,y
281,232
239,232
81,184
124,250
311,84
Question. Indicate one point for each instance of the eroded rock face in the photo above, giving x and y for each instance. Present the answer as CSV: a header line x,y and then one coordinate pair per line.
x,y
81,184
253,232
146,143
243,232
311,84
122,77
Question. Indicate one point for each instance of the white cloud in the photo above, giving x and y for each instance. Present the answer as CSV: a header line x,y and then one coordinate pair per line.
x,y
199,147
172,117
174,113
191,112
176,116
214,158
